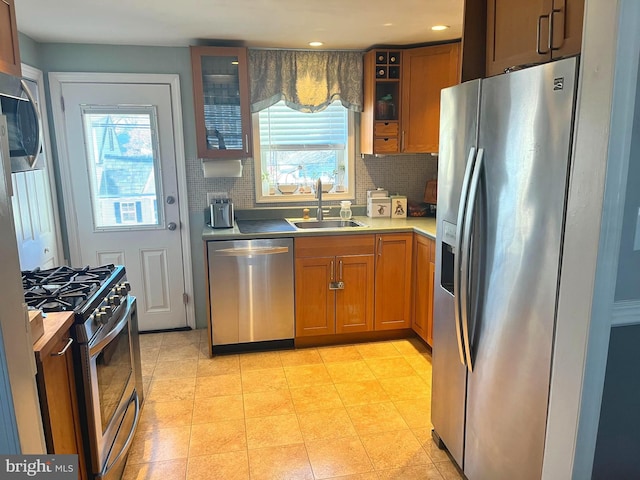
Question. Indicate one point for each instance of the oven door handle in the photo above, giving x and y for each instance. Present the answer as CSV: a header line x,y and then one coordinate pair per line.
x,y
98,347
125,447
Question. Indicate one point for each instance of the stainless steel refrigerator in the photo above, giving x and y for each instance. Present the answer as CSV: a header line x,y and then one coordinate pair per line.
x,y
503,174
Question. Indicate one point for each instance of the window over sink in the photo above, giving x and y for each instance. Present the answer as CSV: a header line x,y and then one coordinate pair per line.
x,y
293,149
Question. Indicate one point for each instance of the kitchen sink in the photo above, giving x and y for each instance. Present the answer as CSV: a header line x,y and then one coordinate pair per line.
x,y
337,223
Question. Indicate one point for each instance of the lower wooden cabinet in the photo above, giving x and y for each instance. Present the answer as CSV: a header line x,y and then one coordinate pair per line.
x,y
334,282
58,397
393,281
424,270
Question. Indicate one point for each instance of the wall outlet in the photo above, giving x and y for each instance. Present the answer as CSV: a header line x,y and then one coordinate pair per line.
x,y
636,242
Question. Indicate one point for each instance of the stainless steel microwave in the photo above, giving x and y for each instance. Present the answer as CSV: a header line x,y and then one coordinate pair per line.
x,y
24,128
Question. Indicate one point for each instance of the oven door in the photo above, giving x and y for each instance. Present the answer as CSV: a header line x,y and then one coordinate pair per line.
x,y
113,404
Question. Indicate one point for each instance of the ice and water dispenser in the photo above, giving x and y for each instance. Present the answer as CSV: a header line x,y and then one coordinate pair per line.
x,y
447,255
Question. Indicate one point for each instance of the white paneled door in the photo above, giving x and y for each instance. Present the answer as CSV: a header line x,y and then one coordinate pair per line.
x,y
121,168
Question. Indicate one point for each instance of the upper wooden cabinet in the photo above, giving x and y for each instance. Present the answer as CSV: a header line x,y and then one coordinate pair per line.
x,y
221,102
522,32
9,51
425,72
401,111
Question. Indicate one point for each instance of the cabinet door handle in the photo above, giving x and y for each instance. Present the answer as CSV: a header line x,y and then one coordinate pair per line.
x,y
332,270
340,277
64,350
246,143
538,51
402,142
551,25
379,246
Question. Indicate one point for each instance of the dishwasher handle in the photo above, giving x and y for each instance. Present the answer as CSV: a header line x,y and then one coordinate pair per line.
x,y
247,252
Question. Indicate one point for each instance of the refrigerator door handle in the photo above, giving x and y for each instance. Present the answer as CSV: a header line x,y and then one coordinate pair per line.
x,y
465,300
457,259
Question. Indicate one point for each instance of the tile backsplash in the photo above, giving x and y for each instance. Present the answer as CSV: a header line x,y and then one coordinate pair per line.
x,y
402,174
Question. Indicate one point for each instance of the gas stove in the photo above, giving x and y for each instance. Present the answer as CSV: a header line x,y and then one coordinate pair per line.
x,y
92,293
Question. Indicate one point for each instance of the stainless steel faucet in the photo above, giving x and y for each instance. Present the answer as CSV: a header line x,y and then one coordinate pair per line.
x,y
321,212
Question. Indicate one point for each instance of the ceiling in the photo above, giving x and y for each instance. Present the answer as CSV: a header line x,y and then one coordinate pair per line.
x,y
340,24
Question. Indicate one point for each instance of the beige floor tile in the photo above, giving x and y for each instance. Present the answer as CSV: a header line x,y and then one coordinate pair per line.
x,y
345,372
220,466
166,414
420,363
150,340
217,437
149,356
264,404
315,397
273,431
376,418
411,346
377,349
357,476
171,469
343,353
190,351
216,409
405,388
218,385
416,411
390,367
424,437
419,472
221,365
171,389
284,462
306,375
361,393
205,350
394,449
338,457
448,471
204,335
302,356
259,361
147,369
181,338
176,369
159,445
264,380
331,423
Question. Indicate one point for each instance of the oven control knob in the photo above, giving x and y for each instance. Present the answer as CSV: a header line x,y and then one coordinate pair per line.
x,y
107,311
127,285
101,318
114,300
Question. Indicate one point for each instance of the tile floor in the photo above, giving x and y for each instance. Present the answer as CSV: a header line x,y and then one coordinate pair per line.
x,y
355,412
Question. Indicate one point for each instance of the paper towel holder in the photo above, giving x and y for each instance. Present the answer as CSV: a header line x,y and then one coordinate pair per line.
x,y
212,168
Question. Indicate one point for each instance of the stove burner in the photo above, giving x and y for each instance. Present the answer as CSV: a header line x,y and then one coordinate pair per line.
x,y
64,288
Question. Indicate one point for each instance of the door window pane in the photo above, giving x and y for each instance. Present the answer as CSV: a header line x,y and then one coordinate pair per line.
x,y
123,166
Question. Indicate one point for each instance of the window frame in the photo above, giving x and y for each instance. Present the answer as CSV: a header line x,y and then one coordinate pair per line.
x,y
350,187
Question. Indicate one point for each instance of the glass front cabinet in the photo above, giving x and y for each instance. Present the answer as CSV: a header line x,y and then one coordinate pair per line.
x,y
221,102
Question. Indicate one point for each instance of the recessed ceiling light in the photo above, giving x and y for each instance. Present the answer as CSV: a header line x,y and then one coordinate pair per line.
x,y
439,27
315,44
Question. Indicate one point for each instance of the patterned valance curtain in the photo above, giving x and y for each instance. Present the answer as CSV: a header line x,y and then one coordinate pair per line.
x,y
306,81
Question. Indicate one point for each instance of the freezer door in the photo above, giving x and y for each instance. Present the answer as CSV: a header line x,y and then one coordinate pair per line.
x,y
458,137
525,131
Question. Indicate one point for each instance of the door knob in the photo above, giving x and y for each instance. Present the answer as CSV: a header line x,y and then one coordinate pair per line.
x,y
171,199
172,226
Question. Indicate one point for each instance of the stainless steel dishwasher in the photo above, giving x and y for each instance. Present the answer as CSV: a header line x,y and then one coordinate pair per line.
x,y
251,293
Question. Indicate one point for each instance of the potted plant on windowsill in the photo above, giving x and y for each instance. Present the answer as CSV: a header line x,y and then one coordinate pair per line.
x,y
339,178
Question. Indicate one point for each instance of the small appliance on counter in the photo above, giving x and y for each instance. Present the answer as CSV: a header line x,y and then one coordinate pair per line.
x,y
221,212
